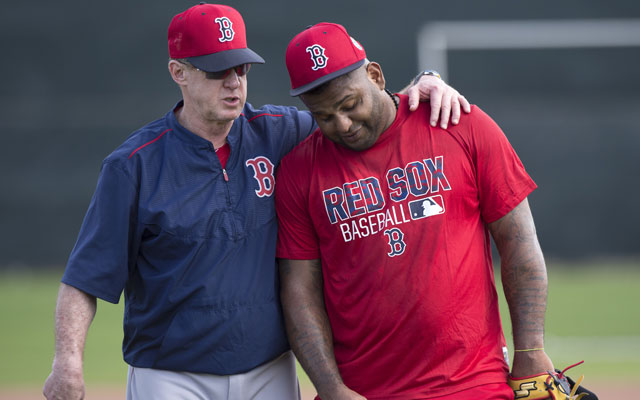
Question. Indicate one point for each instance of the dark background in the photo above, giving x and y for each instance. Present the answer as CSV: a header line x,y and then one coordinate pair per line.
x,y
78,77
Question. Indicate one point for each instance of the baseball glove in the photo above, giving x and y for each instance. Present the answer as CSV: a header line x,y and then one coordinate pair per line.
x,y
550,385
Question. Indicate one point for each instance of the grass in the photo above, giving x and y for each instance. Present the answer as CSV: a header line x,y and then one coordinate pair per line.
x,y
592,315
27,306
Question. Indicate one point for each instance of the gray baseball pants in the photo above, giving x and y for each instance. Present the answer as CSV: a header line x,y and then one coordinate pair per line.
x,y
275,380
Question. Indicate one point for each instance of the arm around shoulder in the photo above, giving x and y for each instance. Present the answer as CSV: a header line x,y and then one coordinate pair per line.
x,y
75,310
445,101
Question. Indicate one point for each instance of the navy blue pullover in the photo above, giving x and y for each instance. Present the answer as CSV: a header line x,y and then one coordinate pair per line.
x,y
192,245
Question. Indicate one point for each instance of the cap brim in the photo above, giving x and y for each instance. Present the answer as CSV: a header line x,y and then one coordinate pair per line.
x,y
323,79
225,59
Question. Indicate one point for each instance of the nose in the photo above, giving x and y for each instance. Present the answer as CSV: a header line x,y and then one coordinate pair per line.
x,y
343,123
232,80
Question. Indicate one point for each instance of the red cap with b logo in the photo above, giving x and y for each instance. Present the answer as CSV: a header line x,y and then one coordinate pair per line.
x,y
212,37
321,53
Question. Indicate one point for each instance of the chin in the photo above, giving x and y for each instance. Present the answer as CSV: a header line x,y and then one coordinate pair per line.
x,y
236,111
357,146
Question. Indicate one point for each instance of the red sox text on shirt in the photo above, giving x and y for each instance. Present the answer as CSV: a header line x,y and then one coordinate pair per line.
x,y
359,205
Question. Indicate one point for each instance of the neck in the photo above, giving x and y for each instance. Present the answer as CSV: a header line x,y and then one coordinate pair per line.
x,y
391,106
214,131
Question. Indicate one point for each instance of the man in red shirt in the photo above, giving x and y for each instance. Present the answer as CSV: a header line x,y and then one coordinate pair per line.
x,y
384,240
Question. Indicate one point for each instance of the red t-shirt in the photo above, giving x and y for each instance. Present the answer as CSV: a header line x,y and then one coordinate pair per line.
x,y
400,229
223,154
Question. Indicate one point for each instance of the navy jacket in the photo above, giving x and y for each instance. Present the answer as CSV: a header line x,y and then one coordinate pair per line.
x,y
191,245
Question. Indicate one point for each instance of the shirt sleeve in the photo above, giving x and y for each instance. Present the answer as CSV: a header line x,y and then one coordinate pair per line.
x,y
303,126
502,180
307,124
99,262
297,239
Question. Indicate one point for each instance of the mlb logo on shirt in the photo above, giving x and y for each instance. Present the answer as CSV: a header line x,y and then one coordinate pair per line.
x,y
428,207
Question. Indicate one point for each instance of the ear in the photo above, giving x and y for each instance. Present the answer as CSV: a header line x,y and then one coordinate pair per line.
x,y
178,72
374,73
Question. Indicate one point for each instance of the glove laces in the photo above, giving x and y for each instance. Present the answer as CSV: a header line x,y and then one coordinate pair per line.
x,y
561,381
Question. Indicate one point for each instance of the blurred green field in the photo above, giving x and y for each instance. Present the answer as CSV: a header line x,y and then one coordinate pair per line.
x,y
593,314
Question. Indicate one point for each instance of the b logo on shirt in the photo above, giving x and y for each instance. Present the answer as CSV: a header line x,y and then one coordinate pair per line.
x,y
396,242
263,173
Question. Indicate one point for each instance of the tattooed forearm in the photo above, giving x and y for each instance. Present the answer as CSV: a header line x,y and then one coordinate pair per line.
x,y
307,322
524,275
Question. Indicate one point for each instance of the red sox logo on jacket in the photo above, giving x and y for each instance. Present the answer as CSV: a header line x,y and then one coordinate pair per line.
x,y
226,29
263,173
360,209
317,56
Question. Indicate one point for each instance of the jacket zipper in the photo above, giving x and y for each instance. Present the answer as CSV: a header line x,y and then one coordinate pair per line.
x,y
226,179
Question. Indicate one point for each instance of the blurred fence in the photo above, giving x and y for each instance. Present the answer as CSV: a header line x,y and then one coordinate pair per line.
x,y
78,79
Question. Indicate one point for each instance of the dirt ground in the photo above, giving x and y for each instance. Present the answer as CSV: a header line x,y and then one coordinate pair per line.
x,y
606,390
97,393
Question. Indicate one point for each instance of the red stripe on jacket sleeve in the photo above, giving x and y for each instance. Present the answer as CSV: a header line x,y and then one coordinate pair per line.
x,y
148,143
263,115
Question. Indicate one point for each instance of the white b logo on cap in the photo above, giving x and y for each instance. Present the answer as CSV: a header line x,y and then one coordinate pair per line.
x,y
317,56
225,29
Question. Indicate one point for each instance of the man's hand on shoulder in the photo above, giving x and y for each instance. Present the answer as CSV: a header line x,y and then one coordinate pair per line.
x,y
446,101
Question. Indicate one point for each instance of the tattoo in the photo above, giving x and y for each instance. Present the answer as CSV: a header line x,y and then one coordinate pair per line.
x,y
524,275
307,323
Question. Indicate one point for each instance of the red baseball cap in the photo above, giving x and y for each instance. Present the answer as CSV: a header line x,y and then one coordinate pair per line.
x,y
211,37
321,53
